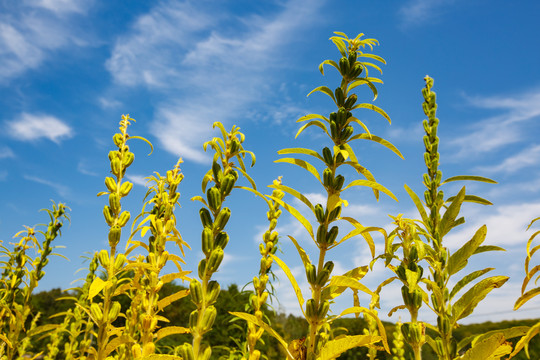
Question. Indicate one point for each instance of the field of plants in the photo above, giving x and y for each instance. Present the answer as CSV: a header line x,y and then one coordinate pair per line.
x,y
128,306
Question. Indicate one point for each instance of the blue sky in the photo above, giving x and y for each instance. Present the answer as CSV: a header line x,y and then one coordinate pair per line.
x,y
70,68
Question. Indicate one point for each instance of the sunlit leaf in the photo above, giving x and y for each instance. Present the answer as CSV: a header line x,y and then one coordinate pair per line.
x,y
301,151
325,90
294,193
97,285
371,184
312,123
489,349
305,258
447,221
459,259
379,140
466,303
374,108
333,348
328,62
171,330
296,214
526,297
312,116
292,279
303,164
469,177
524,341
467,279
166,301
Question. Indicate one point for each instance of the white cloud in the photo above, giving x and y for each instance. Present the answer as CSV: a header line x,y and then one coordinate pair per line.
x,y
109,103
206,74
138,180
500,130
6,153
85,169
29,32
419,12
62,190
526,158
29,127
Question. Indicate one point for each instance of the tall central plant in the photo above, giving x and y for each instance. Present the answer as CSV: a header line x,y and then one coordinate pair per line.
x,y
353,67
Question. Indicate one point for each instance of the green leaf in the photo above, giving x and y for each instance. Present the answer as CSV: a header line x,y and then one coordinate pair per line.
x,y
524,341
371,184
526,297
305,258
379,140
472,199
447,221
294,193
508,333
466,304
301,151
311,116
467,279
418,204
311,123
367,82
493,347
469,177
485,248
292,279
340,45
303,164
325,90
341,280
254,320
374,108
459,259
296,214
333,348
328,62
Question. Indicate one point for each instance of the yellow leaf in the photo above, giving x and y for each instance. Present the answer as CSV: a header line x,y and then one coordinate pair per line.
x,y
287,272
166,301
170,330
97,285
334,348
116,342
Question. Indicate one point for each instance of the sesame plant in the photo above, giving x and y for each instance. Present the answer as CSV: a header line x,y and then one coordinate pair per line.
x,y
528,295
422,242
21,272
353,68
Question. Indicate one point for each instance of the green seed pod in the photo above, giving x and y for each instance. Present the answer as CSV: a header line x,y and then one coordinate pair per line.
x,y
206,218
202,268
118,139
114,203
126,188
119,261
186,352
338,182
407,297
328,178
413,254
208,319
443,324
222,218
193,317
344,66
207,239
333,116
327,156
346,133
110,184
311,310
333,129
329,266
401,273
114,155
214,198
322,277
321,235
439,348
115,311
235,145
417,298
227,184
212,291
195,289
206,352
334,214
351,100
311,274
356,71
124,218
128,158
415,333
263,298
319,213
221,240
340,97
323,309
352,57
103,258
114,235
341,117
97,314
273,237
107,214
215,259
262,250
332,235
339,158
216,171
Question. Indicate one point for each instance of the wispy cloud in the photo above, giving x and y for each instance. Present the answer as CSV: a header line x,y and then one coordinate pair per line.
x,y
500,130
85,169
138,180
6,152
419,12
526,158
31,30
227,73
28,127
60,189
